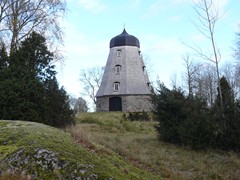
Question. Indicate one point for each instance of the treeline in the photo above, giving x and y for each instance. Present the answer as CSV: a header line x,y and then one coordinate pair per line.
x,y
28,86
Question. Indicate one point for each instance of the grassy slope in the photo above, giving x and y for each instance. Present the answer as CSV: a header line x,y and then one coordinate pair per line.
x,y
138,142
49,153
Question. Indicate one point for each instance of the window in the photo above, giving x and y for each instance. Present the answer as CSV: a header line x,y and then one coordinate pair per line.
x,y
119,52
149,85
139,52
116,86
117,69
144,70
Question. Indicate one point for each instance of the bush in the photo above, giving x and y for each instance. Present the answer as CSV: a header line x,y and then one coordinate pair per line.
x,y
182,120
169,110
196,131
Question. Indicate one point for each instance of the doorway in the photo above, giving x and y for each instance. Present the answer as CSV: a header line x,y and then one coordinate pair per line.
x,y
115,104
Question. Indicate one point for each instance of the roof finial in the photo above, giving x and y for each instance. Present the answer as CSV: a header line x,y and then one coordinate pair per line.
x,y
124,25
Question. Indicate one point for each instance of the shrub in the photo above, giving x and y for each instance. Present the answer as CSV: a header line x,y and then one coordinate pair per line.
x,y
196,131
168,108
182,120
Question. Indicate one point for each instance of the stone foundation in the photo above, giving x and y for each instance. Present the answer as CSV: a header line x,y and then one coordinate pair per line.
x,y
133,103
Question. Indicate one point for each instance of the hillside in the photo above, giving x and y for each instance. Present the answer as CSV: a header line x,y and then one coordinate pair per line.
x,y
138,142
105,146
33,150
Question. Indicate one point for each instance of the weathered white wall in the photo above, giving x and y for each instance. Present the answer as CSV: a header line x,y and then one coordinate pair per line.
x,y
132,103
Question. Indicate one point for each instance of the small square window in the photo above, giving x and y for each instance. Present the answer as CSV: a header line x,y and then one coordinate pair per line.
x,y
119,52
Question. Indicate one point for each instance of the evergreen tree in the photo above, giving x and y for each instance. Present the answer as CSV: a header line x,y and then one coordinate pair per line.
x,y
229,128
29,89
3,67
182,120
3,57
169,110
228,100
57,108
196,131
23,92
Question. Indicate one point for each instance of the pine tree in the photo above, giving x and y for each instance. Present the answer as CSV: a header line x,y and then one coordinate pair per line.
x,y
29,89
229,136
182,120
3,68
169,110
57,108
24,91
3,57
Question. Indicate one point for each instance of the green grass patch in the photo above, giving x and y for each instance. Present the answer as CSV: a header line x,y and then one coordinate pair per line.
x,y
138,142
113,122
44,152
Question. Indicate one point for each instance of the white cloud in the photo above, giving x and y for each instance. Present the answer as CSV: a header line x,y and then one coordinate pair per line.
x,y
165,46
165,56
94,6
222,4
78,44
163,6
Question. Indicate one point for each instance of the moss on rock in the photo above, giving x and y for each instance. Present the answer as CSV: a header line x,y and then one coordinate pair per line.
x,y
44,152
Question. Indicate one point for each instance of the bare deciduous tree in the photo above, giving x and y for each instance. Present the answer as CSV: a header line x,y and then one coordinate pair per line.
x,y
18,18
237,67
148,64
191,73
237,80
174,80
237,49
206,83
208,16
79,104
90,80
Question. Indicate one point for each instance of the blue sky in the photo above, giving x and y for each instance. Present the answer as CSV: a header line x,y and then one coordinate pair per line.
x,y
160,25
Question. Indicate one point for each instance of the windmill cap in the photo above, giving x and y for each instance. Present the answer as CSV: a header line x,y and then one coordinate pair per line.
x,y
124,39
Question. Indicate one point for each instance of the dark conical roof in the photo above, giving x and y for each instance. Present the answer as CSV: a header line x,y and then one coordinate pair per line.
x,y
124,39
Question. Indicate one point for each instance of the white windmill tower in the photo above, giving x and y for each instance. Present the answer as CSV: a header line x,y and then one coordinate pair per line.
x,y
125,84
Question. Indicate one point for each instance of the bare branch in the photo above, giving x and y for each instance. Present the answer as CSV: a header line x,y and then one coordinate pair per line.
x,y
198,52
18,18
90,80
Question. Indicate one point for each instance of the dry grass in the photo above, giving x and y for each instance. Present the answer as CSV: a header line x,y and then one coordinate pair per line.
x,y
10,176
138,142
